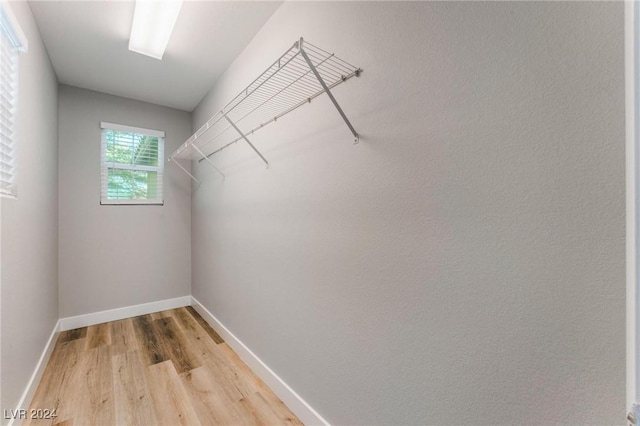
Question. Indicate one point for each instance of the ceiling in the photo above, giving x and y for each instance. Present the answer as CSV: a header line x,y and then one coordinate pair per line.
x,y
88,42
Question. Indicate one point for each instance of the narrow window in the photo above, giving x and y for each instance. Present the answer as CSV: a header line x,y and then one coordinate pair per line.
x,y
132,165
12,41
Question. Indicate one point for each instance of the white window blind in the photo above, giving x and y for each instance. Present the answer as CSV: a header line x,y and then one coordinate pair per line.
x,y
12,41
132,165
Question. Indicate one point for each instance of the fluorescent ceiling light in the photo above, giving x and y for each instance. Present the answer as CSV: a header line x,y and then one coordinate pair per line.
x,y
153,22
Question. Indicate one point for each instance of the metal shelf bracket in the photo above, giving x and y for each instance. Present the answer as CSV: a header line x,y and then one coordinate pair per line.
x,y
328,92
185,170
246,140
204,157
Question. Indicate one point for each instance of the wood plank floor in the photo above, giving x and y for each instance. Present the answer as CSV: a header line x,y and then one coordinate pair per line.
x,y
167,368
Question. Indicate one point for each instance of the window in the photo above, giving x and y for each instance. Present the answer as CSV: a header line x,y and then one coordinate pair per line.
x,y
12,41
132,165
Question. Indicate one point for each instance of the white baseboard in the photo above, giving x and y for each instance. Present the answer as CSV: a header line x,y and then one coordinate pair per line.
x,y
296,404
32,385
86,320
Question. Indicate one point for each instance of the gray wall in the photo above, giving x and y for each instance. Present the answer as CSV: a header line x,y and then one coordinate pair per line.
x,y
464,264
115,256
30,222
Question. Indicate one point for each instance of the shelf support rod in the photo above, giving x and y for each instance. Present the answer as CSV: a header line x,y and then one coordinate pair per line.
x,y
185,170
326,89
247,140
204,157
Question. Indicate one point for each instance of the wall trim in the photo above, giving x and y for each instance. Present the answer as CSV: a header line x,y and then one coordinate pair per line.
x,y
86,320
34,381
294,401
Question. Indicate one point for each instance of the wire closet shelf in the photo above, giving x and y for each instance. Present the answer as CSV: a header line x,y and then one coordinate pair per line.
x,y
301,74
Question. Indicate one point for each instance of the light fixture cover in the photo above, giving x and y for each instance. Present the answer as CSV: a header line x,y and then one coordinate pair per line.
x,y
153,22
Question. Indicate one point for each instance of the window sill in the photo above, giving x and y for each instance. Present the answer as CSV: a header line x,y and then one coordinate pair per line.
x,y
131,203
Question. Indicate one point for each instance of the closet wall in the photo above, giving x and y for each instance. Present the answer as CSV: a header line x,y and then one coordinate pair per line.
x,y
465,262
30,222
117,256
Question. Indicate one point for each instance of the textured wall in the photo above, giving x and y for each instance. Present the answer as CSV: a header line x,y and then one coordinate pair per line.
x,y
30,222
116,256
464,264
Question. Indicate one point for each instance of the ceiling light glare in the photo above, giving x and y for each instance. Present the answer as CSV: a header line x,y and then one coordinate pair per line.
x,y
153,22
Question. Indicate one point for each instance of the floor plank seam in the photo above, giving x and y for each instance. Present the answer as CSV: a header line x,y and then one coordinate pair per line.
x,y
168,367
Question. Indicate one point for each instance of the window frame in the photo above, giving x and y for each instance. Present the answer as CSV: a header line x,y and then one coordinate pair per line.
x,y
17,42
104,165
